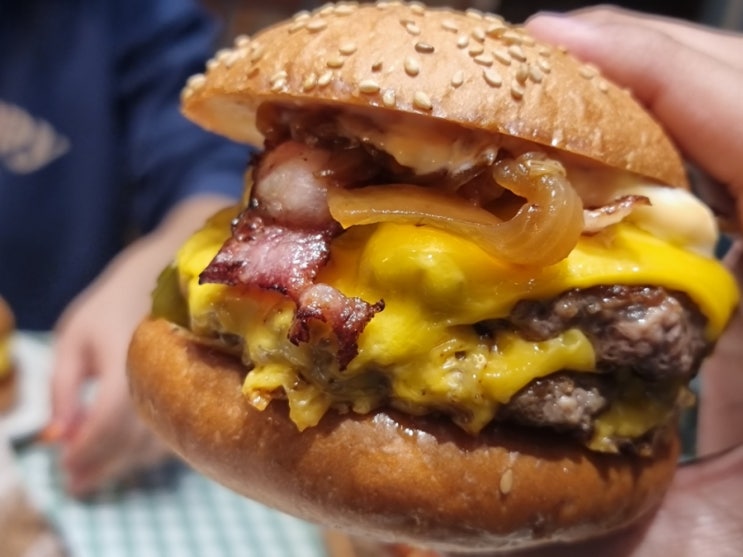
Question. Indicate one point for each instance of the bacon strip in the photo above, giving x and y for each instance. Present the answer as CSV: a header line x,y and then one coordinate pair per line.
x,y
269,255
272,256
347,317
598,218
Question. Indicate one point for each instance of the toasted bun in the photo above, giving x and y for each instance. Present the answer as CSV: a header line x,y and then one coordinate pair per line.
x,y
384,475
8,383
470,69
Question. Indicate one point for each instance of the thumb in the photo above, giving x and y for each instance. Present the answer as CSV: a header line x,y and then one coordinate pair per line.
x,y
694,94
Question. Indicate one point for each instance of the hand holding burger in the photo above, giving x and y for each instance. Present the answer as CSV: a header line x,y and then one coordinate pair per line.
x,y
458,306
688,61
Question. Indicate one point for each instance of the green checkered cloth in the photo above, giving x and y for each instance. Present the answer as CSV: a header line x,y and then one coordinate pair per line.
x,y
170,511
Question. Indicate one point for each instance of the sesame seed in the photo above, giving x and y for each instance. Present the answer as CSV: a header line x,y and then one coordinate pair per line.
x,y
484,59
242,41
325,78
417,9
281,74
222,54
309,82
347,48
257,52
345,9
476,49
369,86
501,54
562,49
478,33
557,138
535,74
412,67
474,14
231,57
457,79
301,15
506,482
544,50
517,91
463,41
494,18
422,101
522,73
412,28
388,98
252,71
278,85
297,25
316,25
517,53
526,39
424,48
326,9
377,66
492,78
196,81
335,62
588,71
449,25
544,65
603,86
211,64
495,30
511,36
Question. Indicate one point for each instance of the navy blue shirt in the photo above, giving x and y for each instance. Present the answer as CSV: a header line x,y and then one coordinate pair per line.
x,y
93,149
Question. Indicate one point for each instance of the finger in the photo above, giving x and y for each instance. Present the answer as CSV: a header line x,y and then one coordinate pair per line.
x,y
723,45
695,96
721,396
99,434
136,448
70,367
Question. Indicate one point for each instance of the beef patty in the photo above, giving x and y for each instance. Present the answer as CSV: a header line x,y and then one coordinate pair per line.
x,y
647,332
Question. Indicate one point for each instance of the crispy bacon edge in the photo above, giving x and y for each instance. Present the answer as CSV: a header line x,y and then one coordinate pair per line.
x,y
271,256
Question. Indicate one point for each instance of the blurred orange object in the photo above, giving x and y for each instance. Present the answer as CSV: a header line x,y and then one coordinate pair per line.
x,y
8,382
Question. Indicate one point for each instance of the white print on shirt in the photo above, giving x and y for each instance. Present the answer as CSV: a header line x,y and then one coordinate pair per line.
x,y
27,143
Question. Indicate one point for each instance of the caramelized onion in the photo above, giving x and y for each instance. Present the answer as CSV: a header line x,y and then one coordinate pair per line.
x,y
547,227
543,231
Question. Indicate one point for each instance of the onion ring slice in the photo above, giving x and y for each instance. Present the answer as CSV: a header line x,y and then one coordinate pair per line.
x,y
543,231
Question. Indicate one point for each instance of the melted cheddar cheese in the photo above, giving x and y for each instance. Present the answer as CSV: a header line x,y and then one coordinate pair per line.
x,y
422,353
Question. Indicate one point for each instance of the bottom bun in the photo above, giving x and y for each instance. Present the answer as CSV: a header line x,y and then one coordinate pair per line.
x,y
385,475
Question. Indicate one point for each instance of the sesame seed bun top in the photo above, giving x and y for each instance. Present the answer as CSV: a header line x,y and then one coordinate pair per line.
x,y
469,68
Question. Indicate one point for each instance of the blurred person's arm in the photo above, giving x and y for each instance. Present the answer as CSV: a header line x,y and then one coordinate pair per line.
x,y
180,175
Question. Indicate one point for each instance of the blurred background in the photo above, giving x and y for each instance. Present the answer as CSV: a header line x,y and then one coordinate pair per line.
x,y
246,16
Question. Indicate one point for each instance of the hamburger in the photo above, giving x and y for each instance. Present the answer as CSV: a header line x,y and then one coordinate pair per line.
x,y
8,388
461,301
